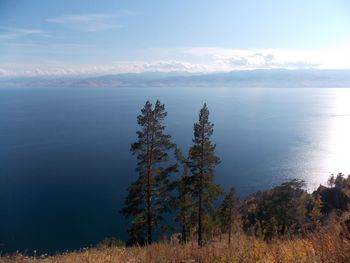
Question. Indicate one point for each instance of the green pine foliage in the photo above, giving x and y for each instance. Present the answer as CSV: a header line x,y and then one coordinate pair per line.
x,y
280,211
229,212
202,162
185,205
149,197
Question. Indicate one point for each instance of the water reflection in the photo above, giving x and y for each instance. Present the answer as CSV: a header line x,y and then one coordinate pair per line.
x,y
339,139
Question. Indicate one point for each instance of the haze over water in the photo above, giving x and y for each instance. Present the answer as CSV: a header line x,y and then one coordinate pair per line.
x,y
65,163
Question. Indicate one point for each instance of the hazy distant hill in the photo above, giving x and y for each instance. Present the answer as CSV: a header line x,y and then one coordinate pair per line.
x,y
254,78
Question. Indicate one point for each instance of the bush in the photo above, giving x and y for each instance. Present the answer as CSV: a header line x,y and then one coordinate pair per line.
x,y
110,242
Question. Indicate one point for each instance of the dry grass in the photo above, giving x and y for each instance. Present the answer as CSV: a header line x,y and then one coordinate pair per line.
x,y
326,245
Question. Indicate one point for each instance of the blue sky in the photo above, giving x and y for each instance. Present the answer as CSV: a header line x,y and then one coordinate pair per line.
x,y
63,37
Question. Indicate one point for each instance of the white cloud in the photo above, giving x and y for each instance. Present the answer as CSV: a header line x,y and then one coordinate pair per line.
x,y
16,70
14,32
264,61
244,59
90,22
192,60
160,66
3,72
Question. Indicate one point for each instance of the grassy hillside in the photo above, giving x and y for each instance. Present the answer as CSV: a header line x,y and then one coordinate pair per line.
x,y
328,244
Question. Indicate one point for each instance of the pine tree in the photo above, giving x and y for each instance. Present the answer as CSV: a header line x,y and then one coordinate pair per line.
x,y
149,196
184,205
228,212
184,202
331,181
202,162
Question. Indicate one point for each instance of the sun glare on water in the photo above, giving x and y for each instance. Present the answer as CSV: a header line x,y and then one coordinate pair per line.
x,y
339,140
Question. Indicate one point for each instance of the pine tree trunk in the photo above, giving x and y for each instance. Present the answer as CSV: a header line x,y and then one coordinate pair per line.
x,y
230,227
149,218
200,230
200,239
229,233
184,235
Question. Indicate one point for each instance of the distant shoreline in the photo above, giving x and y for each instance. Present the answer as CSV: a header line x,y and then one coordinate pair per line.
x,y
273,78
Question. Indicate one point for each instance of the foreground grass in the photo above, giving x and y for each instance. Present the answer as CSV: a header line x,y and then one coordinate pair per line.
x,y
326,245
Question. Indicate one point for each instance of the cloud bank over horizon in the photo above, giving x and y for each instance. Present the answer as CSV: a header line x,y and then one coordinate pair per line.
x,y
198,60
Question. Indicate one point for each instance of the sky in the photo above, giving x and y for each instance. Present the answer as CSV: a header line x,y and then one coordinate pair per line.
x,y
85,37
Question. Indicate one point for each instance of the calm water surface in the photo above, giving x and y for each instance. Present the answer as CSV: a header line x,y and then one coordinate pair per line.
x,y
65,162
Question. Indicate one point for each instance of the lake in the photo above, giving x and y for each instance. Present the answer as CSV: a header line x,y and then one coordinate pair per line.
x,y
65,160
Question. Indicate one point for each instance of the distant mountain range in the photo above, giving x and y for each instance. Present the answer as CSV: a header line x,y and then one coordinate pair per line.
x,y
276,78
